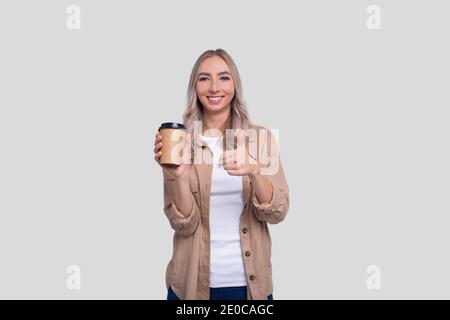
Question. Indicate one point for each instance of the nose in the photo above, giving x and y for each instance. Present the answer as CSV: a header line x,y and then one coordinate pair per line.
x,y
213,86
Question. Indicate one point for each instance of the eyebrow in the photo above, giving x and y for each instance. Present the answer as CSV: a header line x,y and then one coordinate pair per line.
x,y
208,74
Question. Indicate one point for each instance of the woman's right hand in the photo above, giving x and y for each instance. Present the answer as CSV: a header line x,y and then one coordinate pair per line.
x,y
180,172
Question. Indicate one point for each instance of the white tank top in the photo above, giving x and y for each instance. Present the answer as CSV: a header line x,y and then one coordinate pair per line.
x,y
226,205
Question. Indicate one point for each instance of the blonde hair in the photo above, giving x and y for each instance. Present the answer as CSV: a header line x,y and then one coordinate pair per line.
x,y
239,118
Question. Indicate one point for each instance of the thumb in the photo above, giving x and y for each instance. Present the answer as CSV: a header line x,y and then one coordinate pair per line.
x,y
241,139
241,133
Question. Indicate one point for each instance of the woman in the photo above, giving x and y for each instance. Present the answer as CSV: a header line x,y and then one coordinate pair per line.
x,y
219,207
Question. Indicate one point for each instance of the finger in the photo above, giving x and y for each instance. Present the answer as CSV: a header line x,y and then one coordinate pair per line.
x,y
241,138
234,172
234,159
157,147
228,156
241,150
241,134
157,157
228,160
158,140
231,166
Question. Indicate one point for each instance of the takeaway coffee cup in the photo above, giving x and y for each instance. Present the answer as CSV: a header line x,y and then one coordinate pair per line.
x,y
173,136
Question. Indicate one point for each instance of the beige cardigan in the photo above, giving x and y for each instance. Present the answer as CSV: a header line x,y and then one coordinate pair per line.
x,y
188,270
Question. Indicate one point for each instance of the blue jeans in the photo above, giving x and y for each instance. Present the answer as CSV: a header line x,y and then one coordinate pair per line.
x,y
226,293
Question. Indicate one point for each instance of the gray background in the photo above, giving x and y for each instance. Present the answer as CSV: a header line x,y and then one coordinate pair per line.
x,y
363,119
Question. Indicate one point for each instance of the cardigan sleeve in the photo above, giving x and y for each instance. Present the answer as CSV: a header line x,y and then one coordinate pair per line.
x,y
275,211
185,226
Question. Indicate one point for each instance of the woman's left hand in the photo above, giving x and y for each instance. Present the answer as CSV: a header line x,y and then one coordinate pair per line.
x,y
239,162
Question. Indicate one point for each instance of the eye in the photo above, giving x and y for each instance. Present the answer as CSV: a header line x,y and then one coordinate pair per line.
x,y
202,78
224,78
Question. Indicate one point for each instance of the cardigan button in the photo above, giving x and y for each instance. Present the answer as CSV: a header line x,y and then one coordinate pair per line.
x,y
244,230
247,253
252,278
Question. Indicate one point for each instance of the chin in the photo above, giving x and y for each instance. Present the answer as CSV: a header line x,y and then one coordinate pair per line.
x,y
215,108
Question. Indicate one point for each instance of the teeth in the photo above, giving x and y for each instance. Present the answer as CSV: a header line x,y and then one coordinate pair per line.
x,y
215,98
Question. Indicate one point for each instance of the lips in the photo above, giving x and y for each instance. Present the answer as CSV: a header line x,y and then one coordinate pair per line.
x,y
215,99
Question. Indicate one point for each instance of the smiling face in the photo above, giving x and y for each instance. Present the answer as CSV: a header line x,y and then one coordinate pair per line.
x,y
215,85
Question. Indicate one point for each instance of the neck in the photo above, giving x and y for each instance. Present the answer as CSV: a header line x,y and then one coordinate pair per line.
x,y
217,120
